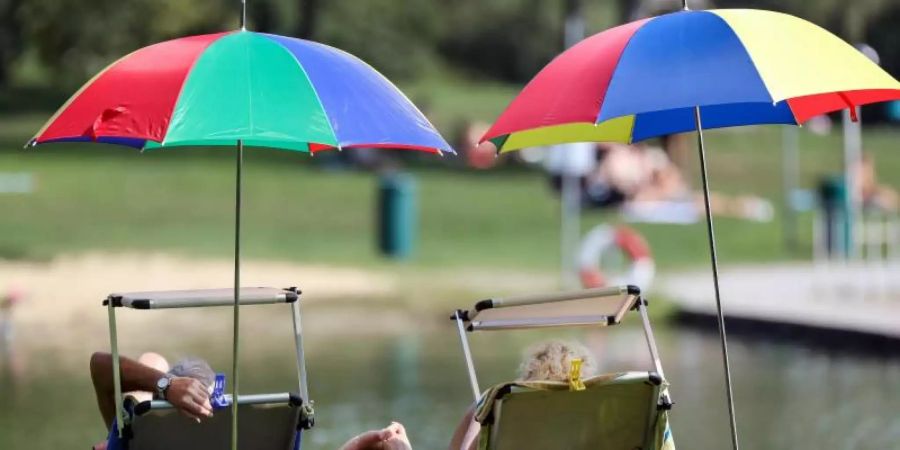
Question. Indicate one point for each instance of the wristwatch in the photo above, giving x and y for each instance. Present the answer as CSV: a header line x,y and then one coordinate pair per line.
x,y
162,386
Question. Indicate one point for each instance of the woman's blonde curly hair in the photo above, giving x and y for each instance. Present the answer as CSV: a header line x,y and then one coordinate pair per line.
x,y
552,361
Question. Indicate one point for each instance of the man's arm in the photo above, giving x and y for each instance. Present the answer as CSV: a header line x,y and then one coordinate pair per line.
x,y
187,394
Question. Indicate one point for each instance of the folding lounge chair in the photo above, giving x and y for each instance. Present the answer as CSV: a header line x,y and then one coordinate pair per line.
x,y
619,411
268,421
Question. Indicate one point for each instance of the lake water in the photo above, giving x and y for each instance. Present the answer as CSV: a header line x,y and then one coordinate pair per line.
x,y
788,397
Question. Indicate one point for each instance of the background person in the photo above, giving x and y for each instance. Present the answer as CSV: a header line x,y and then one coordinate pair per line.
x,y
643,180
872,194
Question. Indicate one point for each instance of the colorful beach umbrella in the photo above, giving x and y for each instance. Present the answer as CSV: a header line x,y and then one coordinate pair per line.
x,y
644,79
687,71
240,89
262,89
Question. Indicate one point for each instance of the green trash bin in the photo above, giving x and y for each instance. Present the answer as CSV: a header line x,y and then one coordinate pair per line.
x,y
397,215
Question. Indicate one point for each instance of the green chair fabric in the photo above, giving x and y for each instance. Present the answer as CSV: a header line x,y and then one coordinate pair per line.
x,y
614,412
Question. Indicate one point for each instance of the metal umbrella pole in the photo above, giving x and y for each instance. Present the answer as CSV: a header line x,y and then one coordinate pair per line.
x,y
790,165
237,296
852,130
570,189
711,234
243,14
235,332
714,260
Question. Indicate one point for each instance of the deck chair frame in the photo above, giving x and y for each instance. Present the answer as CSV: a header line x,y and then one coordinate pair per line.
x,y
153,300
275,423
629,298
467,320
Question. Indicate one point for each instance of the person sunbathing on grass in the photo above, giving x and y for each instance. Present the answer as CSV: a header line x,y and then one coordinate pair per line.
x,y
187,386
545,361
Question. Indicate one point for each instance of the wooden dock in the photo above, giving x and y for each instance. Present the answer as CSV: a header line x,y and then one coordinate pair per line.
x,y
859,302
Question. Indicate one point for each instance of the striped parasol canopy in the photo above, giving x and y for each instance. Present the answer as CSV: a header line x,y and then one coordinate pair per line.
x,y
265,90
644,79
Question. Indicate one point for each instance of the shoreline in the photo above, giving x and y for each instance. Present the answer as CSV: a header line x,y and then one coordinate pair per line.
x,y
61,309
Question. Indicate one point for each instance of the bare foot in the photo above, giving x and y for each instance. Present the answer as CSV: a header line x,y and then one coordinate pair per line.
x,y
398,439
393,437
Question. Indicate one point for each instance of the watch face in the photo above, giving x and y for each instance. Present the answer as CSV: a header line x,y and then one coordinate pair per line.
x,y
162,383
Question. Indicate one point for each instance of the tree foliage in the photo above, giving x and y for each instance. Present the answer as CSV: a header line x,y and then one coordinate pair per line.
x,y
509,40
74,39
396,36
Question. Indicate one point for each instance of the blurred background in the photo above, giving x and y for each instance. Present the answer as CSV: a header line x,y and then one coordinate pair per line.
x,y
385,244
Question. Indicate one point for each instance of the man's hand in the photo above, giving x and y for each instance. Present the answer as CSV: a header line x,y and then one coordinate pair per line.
x,y
189,396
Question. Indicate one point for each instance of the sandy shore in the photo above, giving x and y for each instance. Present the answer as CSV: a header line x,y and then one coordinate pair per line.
x,y
62,312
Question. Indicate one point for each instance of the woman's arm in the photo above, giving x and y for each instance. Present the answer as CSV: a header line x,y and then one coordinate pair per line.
x,y
465,437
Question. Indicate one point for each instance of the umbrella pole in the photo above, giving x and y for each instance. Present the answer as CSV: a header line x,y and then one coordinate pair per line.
x,y
243,15
237,290
711,234
237,273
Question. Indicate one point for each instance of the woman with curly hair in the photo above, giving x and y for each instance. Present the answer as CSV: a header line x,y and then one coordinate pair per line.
x,y
545,361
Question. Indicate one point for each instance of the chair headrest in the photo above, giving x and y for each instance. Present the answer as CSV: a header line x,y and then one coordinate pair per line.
x,y
598,382
263,426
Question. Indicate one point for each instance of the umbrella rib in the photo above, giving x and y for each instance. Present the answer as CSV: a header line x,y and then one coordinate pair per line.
x,y
737,36
187,75
318,99
612,77
793,114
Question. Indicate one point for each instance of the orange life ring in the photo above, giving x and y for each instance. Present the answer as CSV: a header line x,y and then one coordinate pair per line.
x,y
627,240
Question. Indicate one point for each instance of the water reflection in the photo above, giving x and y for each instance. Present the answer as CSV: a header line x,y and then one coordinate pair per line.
x,y
788,397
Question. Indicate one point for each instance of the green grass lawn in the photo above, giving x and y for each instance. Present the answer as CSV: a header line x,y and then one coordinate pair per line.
x,y
102,197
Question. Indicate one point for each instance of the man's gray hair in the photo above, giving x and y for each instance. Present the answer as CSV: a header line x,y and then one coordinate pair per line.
x,y
196,368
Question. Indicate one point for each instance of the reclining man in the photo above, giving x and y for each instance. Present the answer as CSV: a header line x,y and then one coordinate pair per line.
x,y
187,386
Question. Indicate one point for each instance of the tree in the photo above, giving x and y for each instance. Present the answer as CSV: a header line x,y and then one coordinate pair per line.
x,y
397,37
306,23
263,16
11,42
75,39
